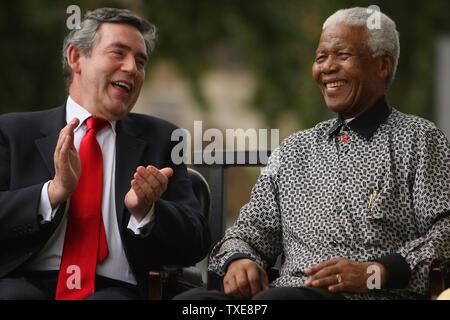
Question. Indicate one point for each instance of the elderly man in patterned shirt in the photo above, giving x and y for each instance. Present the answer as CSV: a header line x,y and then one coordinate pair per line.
x,y
362,196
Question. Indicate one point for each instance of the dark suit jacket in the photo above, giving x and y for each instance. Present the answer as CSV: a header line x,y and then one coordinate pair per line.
x,y
27,142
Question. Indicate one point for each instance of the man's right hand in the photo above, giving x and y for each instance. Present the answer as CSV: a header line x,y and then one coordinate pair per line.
x,y
244,279
67,166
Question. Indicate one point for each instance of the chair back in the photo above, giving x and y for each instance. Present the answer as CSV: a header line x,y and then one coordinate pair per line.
x,y
201,191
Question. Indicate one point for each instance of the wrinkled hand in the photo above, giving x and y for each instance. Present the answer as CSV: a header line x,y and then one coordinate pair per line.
x,y
67,166
352,273
244,279
147,186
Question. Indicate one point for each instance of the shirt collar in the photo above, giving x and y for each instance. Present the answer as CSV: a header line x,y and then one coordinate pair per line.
x,y
367,123
74,110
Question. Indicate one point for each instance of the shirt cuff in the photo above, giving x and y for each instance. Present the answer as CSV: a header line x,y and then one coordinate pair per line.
x,y
140,228
45,210
398,271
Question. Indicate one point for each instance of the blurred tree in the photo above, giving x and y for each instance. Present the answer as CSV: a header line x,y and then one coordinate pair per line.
x,y
274,39
277,40
32,33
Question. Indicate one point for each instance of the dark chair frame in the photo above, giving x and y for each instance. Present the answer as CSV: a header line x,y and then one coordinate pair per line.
x,y
173,279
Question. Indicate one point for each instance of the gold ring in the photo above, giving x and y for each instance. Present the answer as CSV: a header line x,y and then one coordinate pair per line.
x,y
338,278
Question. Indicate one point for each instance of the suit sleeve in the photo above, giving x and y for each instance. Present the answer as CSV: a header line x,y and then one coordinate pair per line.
x,y
19,207
179,233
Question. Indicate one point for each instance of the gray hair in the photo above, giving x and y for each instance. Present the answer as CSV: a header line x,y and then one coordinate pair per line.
x,y
84,37
382,40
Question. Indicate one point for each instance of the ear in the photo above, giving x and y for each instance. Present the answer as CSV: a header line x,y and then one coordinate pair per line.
x,y
73,58
385,66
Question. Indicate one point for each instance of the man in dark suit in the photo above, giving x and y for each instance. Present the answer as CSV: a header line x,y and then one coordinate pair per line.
x,y
90,199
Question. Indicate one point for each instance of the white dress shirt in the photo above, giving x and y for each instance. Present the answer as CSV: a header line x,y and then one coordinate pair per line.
x,y
116,265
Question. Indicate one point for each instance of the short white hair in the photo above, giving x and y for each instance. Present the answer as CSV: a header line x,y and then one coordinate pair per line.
x,y
382,40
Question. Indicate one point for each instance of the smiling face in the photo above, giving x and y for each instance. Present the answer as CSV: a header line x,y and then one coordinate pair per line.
x,y
107,82
350,79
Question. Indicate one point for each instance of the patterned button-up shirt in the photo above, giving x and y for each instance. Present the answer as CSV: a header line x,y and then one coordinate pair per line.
x,y
377,186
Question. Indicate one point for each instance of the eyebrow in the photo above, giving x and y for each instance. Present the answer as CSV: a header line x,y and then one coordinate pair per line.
x,y
337,49
128,48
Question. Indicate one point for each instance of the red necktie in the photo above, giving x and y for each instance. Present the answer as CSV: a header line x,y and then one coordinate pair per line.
x,y
85,242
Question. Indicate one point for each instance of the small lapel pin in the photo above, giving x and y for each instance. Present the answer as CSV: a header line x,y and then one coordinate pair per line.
x,y
345,138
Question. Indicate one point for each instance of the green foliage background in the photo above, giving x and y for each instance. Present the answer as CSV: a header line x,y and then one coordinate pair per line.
x,y
274,39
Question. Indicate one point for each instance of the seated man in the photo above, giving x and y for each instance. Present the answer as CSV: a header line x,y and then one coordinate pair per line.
x,y
356,203
90,199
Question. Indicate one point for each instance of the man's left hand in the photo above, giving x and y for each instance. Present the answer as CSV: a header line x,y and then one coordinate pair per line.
x,y
147,186
342,275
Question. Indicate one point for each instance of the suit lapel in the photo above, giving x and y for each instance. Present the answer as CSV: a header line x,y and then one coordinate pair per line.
x,y
54,121
129,151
